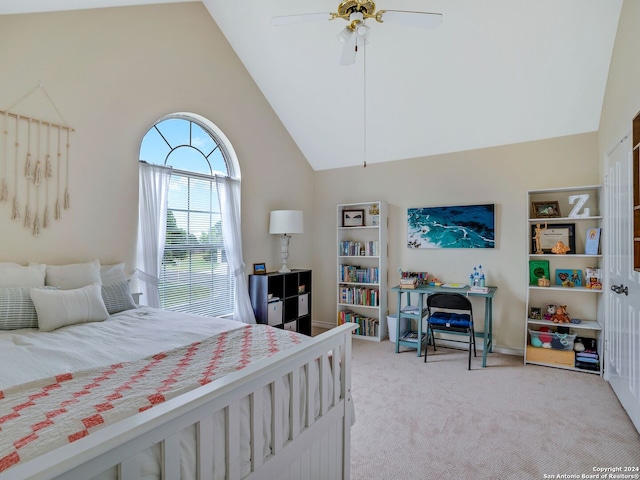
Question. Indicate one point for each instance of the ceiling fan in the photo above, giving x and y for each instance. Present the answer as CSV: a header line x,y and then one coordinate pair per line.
x,y
357,12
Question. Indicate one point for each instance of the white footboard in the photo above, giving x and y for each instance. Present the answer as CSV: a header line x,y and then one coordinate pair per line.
x,y
316,446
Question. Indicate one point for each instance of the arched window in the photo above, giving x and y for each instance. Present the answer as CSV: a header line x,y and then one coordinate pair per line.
x,y
195,275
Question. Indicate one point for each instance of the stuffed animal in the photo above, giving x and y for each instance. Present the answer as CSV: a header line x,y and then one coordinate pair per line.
x,y
561,315
545,336
550,312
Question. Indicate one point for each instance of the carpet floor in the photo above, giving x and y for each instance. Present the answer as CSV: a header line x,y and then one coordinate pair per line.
x,y
417,421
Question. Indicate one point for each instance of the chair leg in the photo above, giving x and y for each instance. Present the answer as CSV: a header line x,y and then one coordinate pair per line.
x,y
473,335
470,342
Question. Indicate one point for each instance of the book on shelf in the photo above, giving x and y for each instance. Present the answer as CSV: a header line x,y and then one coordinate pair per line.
x,y
592,243
454,285
412,336
478,289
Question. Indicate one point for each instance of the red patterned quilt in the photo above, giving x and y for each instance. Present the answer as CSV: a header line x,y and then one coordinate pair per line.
x,y
45,414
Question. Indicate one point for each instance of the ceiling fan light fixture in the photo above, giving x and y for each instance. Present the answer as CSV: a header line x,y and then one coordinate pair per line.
x,y
362,30
345,34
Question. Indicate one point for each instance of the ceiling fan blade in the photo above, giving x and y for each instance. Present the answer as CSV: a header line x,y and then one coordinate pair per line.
x,y
303,18
411,19
348,56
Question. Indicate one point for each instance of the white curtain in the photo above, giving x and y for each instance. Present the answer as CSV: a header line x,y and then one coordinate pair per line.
x,y
229,194
152,226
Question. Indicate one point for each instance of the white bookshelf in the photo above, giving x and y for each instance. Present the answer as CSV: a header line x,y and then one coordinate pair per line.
x,y
362,247
583,303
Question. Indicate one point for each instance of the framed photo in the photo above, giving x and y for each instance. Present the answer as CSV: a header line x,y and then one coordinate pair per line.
x,y
456,226
553,233
259,269
569,278
545,209
353,218
535,313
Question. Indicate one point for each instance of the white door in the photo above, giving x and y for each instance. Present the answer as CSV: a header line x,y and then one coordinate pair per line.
x,y
622,318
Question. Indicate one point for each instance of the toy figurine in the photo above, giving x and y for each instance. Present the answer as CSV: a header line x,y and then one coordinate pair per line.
x,y
561,315
560,248
550,311
537,238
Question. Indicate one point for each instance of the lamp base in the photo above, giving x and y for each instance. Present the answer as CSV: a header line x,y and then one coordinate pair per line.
x,y
284,253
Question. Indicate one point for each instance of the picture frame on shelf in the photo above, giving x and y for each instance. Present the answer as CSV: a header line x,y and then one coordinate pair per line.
x,y
259,269
550,209
569,278
353,218
552,234
535,313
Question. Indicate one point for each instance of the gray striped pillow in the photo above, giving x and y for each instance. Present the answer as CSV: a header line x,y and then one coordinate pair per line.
x,y
117,297
17,309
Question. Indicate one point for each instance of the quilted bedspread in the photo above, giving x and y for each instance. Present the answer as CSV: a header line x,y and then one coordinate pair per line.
x,y
44,414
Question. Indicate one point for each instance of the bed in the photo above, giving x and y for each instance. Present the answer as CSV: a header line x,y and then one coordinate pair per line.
x,y
147,393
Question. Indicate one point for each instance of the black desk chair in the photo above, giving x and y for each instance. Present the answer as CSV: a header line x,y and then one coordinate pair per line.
x,y
450,313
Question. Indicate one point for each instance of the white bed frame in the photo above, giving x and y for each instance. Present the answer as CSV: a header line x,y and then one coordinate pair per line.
x,y
319,448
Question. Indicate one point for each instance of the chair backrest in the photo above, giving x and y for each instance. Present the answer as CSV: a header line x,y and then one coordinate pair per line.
x,y
449,301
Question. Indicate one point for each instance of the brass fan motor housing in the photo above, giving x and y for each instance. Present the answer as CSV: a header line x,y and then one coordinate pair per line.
x,y
346,8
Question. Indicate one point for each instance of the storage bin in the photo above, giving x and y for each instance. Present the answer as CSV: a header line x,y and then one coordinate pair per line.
x,y
392,321
548,356
552,339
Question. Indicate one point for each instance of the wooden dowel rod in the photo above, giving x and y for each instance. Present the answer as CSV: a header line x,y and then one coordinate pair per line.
x,y
15,115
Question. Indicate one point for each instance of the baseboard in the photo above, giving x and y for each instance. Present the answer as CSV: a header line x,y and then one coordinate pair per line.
x,y
323,325
479,346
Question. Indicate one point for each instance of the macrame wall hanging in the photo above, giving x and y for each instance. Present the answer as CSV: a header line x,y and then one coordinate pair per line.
x,y
31,182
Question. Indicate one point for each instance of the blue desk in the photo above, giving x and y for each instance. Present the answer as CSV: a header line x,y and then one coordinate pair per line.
x,y
421,312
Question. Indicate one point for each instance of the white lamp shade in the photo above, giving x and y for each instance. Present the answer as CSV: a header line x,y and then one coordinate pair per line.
x,y
286,222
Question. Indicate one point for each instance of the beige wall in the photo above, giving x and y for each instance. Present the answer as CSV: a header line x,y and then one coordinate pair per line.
x,y
500,175
112,73
622,97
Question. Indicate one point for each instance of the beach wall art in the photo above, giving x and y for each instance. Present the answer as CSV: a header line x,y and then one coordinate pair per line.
x,y
463,226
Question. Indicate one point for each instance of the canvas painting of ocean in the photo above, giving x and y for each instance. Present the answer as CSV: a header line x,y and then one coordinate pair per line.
x,y
465,226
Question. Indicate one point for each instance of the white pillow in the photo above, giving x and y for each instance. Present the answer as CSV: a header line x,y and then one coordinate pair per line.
x,y
59,308
112,273
73,275
14,275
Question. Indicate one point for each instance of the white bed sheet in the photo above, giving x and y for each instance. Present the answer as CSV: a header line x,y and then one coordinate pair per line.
x,y
29,354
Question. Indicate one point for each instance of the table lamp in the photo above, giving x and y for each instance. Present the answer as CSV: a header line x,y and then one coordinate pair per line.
x,y
285,222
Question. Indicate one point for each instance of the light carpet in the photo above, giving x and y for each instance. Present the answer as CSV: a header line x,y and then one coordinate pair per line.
x,y
438,420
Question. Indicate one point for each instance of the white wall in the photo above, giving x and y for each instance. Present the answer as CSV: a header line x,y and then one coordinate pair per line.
x,y
112,73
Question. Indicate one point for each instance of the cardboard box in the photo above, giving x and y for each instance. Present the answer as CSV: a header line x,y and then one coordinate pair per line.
x,y
564,358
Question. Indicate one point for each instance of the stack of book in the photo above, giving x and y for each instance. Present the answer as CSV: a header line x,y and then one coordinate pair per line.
x,y
408,282
588,360
478,289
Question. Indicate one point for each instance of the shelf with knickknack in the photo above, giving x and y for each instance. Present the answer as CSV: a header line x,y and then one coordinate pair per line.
x,y
564,306
362,268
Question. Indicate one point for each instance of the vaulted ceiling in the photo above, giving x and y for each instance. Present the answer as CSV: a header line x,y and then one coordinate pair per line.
x,y
493,73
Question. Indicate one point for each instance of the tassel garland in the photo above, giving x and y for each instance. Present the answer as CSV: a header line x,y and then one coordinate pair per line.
x,y
37,178
36,226
45,223
4,191
16,209
33,167
27,217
